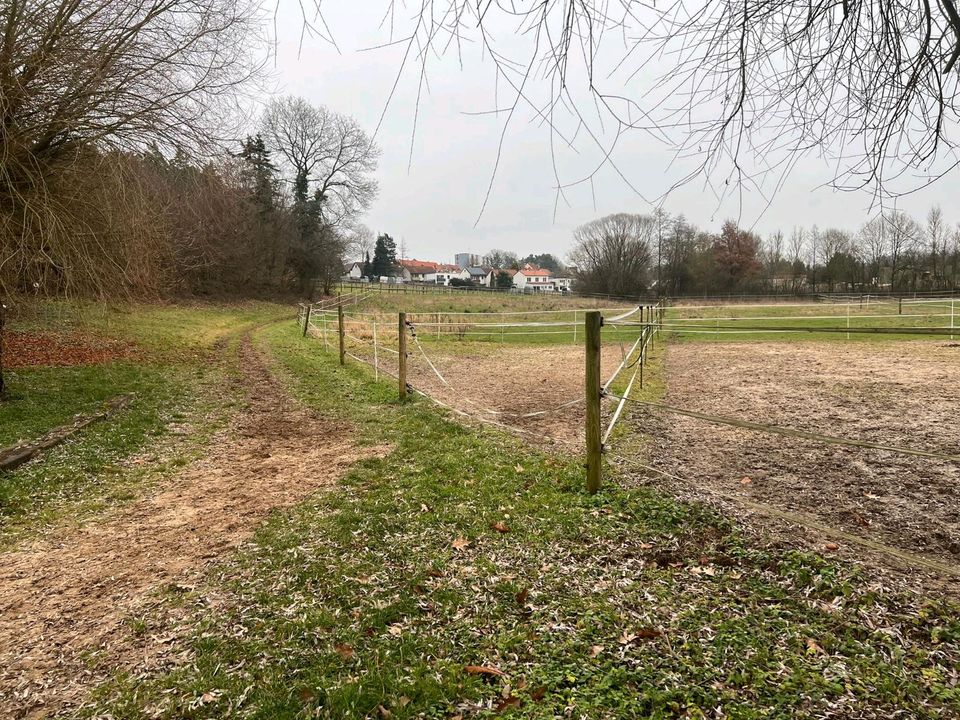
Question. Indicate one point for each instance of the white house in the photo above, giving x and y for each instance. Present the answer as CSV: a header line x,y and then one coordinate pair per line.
x,y
353,271
417,270
445,273
481,275
530,278
563,284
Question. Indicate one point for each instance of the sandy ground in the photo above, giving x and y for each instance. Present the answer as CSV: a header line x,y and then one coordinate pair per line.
x,y
898,394
73,593
504,383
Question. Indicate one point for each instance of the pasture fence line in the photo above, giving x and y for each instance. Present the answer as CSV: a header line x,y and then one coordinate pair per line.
x,y
368,331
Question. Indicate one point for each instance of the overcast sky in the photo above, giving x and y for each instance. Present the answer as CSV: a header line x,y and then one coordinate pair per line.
x,y
432,185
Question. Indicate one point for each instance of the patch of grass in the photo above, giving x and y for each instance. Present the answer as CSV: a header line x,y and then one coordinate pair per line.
x,y
718,323
373,599
468,301
177,383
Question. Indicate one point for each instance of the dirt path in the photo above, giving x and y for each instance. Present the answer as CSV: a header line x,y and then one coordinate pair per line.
x,y
899,394
73,594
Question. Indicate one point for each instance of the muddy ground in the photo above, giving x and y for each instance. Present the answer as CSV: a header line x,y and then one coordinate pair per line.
x,y
897,394
69,602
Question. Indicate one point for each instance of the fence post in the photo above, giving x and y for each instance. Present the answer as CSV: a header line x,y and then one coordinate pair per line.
x,y
402,347
900,307
643,350
306,320
376,356
342,334
591,328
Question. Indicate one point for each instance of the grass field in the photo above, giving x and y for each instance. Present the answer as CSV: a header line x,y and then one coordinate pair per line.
x,y
465,575
459,571
768,322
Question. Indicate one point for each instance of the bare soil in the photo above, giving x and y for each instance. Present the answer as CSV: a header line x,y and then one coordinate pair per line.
x,y
72,595
897,394
505,384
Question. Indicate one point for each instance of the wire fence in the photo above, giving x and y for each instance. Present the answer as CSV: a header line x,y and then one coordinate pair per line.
x,y
375,339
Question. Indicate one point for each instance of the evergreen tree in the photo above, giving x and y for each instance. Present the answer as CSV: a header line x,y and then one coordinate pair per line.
x,y
260,174
384,256
367,269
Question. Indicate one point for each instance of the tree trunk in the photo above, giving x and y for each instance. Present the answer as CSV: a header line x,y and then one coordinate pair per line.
x,y
3,312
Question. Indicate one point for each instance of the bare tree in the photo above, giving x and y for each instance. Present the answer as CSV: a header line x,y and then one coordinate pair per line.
x,y
501,258
745,84
773,255
328,154
360,241
903,233
798,245
613,254
936,235
873,241
105,75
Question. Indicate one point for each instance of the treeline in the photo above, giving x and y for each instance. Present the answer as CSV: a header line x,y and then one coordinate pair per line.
x,y
145,223
629,254
118,173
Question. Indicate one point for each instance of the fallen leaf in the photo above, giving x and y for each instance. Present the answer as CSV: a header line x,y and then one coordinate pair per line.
x,y
539,693
344,651
484,670
745,480
813,647
518,467
384,712
522,596
500,527
595,650
646,546
831,546
396,630
648,633
626,638
461,544
508,703
305,695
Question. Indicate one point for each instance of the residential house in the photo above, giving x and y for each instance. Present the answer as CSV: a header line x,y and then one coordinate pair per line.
x,y
563,284
353,271
417,270
531,278
482,275
445,273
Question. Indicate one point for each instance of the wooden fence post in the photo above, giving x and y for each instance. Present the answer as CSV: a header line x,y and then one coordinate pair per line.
x,y
306,321
591,328
376,354
342,334
402,347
